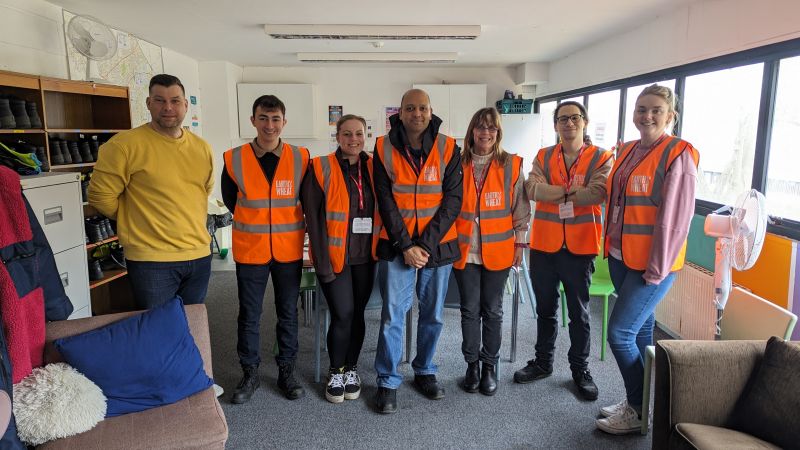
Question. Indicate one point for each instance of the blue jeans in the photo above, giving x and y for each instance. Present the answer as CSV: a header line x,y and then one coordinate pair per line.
x,y
155,282
630,327
396,281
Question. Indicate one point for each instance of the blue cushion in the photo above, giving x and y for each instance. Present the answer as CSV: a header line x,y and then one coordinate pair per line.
x,y
140,362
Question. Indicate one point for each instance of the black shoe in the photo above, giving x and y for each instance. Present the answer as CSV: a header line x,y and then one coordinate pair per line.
x,y
352,383
288,385
95,272
586,386
247,386
429,387
488,379
334,391
532,372
472,378
93,232
386,400
20,115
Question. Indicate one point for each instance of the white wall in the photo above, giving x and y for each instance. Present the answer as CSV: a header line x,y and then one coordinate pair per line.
x,y
188,71
32,38
365,91
692,33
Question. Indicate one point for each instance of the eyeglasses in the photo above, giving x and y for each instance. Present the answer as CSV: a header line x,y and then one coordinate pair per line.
x,y
574,118
490,129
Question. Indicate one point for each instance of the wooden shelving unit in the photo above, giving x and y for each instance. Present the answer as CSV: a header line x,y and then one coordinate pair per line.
x,y
74,110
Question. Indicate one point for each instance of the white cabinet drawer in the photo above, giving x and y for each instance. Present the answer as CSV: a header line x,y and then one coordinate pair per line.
x,y
59,211
80,314
74,274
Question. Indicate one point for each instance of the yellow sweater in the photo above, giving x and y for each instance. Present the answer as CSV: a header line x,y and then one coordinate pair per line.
x,y
157,189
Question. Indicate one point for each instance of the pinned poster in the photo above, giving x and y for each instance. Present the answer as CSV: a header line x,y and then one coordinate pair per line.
x,y
390,111
334,114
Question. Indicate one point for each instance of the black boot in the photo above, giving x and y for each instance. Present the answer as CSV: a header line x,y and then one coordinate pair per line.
x,y
247,386
472,378
288,385
488,379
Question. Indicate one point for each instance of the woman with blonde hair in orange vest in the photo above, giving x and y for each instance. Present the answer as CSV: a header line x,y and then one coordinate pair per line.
x,y
339,206
492,228
649,207
568,184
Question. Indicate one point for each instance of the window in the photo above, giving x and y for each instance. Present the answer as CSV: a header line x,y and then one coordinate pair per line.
x,y
783,176
720,119
603,118
548,132
630,131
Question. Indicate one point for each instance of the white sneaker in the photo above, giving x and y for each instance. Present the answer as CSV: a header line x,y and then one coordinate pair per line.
x,y
352,384
218,391
613,410
626,422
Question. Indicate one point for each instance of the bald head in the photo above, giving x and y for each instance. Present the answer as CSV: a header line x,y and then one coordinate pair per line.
x,y
415,111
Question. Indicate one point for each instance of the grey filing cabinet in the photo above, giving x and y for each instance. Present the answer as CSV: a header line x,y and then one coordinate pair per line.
x,y
56,201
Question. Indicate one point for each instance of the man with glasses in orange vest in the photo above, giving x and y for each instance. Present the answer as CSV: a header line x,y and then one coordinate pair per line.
x,y
261,187
418,182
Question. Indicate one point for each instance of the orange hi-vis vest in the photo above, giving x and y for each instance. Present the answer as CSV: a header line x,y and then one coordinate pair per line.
x,y
337,208
643,198
418,196
493,213
268,220
580,234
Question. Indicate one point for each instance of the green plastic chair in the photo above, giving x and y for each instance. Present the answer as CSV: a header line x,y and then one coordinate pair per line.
x,y
601,287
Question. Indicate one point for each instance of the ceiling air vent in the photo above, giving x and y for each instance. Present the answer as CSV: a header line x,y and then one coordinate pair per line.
x,y
374,32
367,57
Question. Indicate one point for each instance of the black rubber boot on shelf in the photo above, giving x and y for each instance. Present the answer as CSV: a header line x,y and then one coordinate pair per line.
x,y
56,157
287,383
65,152
95,272
86,152
93,232
94,146
6,117
20,115
73,151
41,154
33,115
106,224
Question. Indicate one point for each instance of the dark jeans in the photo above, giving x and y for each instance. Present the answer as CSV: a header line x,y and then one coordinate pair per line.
x,y
251,280
155,282
481,312
575,273
347,296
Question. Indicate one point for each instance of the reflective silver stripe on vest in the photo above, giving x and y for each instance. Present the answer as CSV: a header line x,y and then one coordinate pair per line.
x,y
335,216
238,170
640,201
661,171
577,220
548,153
267,229
388,158
427,212
466,215
646,230
326,172
284,202
250,228
495,213
590,170
413,188
463,237
250,203
286,227
407,213
441,142
497,237
298,169
335,241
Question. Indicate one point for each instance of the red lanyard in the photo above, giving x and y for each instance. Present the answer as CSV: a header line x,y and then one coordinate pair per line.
x,y
479,185
574,168
359,185
417,169
626,169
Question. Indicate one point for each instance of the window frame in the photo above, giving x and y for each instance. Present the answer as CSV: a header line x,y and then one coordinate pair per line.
x,y
770,55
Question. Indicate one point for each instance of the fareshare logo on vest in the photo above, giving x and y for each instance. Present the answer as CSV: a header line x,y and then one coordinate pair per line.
x,y
492,199
640,183
284,187
431,174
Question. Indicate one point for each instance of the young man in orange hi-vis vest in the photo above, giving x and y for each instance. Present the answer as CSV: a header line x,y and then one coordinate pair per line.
x,y
261,187
568,184
418,186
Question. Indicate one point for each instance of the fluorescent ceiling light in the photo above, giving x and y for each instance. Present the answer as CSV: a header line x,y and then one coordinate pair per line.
x,y
373,32
386,57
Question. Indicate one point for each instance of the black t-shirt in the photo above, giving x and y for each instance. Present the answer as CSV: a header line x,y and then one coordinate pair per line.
x,y
359,246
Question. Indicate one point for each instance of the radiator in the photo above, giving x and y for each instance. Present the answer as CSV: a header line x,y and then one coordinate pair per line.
x,y
688,311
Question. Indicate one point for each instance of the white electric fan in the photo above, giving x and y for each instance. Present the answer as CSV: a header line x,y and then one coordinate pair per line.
x,y
94,40
740,236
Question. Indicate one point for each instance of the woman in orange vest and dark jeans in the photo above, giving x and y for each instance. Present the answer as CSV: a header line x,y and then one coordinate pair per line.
x,y
568,184
649,207
492,228
339,206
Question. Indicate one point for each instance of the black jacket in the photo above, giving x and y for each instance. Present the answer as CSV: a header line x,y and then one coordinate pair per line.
x,y
440,253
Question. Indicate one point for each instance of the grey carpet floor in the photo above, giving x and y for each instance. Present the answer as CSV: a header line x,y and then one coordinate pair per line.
x,y
546,414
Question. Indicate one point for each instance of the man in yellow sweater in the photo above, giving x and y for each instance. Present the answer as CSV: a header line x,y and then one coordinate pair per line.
x,y
154,180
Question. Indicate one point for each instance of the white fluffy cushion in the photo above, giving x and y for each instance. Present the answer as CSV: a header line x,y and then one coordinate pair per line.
x,y
56,401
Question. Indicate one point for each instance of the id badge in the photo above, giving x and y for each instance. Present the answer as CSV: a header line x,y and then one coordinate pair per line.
x,y
566,211
362,225
615,214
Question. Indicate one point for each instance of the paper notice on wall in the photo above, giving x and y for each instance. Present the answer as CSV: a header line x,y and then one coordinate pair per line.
x,y
334,114
332,144
390,111
194,114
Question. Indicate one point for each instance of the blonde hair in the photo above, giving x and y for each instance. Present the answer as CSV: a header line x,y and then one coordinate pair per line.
x,y
665,94
488,116
347,117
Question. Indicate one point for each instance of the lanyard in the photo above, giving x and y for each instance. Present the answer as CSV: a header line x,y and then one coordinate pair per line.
x,y
418,168
574,168
479,185
625,170
359,185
